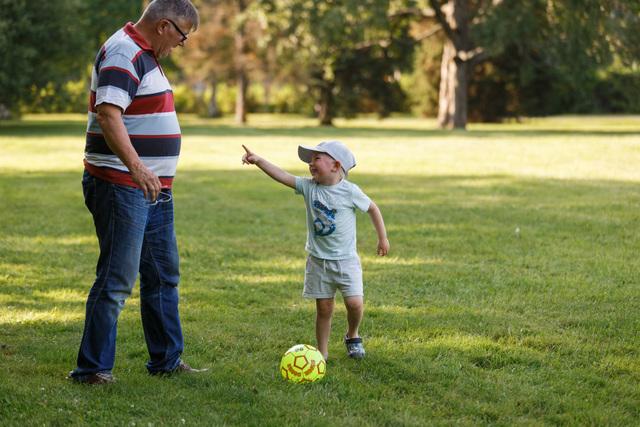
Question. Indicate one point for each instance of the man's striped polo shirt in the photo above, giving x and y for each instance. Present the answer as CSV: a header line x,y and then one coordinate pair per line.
x,y
127,74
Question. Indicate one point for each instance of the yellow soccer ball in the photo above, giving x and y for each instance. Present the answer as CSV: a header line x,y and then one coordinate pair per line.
x,y
303,363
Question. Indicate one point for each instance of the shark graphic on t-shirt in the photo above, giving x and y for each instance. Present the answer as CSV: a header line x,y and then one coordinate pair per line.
x,y
325,222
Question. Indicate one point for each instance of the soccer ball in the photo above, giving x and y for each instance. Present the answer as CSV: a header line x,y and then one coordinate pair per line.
x,y
302,363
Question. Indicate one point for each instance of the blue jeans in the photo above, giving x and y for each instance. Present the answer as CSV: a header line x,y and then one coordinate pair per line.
x,y
134,236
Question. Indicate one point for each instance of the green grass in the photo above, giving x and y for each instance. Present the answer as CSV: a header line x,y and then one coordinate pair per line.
x,y
467,321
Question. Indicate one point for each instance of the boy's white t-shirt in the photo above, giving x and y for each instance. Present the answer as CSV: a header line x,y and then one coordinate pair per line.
x,y
331,217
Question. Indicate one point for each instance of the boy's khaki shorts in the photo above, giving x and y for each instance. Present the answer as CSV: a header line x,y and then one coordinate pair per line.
x,y
323,277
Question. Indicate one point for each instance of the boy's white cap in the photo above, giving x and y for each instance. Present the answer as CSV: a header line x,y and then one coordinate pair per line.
x,y
335,149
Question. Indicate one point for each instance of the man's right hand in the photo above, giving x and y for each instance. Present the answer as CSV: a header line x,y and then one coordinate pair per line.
x,y
148,181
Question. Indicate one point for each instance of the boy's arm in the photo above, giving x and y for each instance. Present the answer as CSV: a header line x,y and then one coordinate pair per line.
x,y
270,169
378,223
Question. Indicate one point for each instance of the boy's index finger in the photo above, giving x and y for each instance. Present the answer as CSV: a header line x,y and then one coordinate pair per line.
x,y
246,149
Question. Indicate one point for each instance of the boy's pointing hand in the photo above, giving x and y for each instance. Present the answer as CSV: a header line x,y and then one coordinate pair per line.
x,y
249,157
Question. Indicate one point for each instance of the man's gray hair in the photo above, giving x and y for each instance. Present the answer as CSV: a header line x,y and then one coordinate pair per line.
x,y
172,9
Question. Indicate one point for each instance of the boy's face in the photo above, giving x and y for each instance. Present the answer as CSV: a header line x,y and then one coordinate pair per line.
x,y
322,166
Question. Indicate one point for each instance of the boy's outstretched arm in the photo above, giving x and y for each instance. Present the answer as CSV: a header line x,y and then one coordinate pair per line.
x,y
270,169
378,223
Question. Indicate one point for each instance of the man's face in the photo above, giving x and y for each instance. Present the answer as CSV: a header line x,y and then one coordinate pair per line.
x,y
171,34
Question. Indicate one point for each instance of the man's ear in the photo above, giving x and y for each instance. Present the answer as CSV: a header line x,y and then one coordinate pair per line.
x,y
161,26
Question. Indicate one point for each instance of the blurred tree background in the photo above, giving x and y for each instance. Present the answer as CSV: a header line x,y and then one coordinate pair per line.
x,y
458,60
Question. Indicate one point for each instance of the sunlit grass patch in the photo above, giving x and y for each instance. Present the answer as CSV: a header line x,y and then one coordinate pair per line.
x,y
396,261
621,366
61,295
46,243
9,315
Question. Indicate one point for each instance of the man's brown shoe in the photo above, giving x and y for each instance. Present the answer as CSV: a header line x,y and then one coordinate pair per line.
x,y
98,378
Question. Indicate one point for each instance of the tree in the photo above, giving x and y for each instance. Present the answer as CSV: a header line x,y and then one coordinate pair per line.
x,y
242,51
105,17
39,46
554,48
345,51
208,59
45,45
225,48
457,19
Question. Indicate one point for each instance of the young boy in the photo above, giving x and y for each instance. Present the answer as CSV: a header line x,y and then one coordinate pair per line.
x,y
333,261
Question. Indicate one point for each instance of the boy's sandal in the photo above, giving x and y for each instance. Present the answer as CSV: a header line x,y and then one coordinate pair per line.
x,y
355,349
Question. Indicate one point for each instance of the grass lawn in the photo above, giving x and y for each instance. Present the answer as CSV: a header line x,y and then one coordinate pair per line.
x,y
510,296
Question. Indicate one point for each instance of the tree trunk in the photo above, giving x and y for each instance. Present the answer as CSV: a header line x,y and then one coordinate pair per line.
x,y
454,71
5,113
268,70
324,107
241,97
241,67
266,84
213,109
452,104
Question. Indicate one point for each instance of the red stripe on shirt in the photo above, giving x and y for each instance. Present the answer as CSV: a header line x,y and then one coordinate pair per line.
x,y
162,103
135,58
115,176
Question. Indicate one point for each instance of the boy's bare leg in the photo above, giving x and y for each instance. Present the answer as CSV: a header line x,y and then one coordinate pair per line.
x,y
324,312
355,310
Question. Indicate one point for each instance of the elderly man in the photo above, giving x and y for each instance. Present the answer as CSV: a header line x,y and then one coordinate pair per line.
x,y
133,142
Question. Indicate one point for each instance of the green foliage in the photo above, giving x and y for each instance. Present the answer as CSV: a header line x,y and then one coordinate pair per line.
x,y
45,49
68,97
226,98
347,52
618,92
106,17
509,297
289,98
226,95
365,81
40,48
422,85
187,101
546,56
